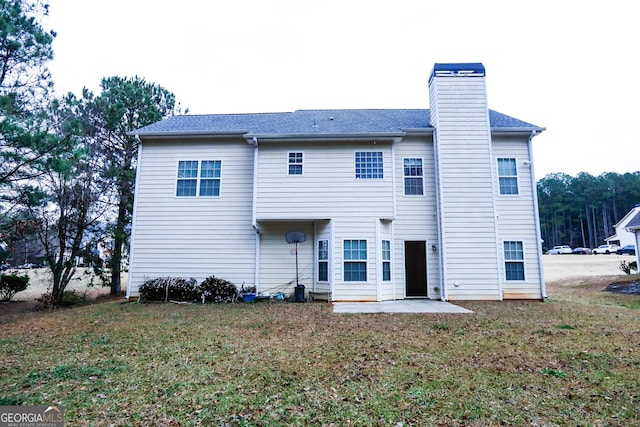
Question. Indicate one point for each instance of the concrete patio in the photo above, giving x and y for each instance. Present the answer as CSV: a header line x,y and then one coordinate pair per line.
x,y
400,306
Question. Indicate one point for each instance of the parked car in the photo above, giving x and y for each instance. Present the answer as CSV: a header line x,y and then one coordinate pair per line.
x,y
627,249
26,266
605,249
559,250
582,251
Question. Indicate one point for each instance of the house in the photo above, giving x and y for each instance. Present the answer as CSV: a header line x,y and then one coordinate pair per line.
x,y
623,236
394,204
633,226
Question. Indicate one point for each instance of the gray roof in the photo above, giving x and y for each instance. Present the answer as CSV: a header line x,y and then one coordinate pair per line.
x,y
315,123
635,222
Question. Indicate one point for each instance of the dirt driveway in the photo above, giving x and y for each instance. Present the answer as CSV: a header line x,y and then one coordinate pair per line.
x,y
561,267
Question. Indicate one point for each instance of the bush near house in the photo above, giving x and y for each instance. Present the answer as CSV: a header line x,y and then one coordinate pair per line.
x,y
11,284
212,289
215,289
169,288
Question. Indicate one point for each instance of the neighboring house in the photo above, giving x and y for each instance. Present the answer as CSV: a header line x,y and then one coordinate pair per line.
x,y
633,226
623,236
395,204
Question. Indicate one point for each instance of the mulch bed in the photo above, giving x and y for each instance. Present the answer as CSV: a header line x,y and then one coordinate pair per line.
x,y
629,288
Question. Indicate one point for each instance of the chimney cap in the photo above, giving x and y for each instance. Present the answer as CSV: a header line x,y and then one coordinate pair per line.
x,y
470,69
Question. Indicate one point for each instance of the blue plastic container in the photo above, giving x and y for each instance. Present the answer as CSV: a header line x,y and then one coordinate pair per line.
x,y
248,297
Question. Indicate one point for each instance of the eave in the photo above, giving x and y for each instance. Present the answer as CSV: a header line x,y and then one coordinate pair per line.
x,y
298,137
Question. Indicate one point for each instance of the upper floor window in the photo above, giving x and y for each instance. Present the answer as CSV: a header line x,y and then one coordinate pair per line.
x,y
508,176
514,260
413,177
295,163
200,178
355,260
369,165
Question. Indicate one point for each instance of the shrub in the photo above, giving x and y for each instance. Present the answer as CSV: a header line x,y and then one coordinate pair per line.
x,y
215,289
626,267
169,288
11,284
69,298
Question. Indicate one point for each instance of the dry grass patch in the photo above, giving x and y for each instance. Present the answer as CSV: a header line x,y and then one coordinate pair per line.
x,y
570,361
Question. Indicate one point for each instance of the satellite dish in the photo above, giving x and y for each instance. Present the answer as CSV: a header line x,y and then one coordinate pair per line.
x,y
295,237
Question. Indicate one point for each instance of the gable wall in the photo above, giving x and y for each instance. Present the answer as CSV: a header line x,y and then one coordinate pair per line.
x,y
193,236
516,220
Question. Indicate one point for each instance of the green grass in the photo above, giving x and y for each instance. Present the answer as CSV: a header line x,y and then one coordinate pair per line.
x,y
563,362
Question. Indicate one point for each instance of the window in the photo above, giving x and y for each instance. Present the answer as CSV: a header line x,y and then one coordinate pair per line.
x,y
514,260
355,260
295,163
386,260
187,178
205,184
508,176
413,178
323,260
369,165
210,178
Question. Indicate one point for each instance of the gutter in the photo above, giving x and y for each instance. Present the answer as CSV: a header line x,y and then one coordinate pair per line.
x,y
536,212
231,132
385,136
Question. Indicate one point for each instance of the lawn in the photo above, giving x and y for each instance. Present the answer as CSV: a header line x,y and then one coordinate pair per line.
x,y
573,360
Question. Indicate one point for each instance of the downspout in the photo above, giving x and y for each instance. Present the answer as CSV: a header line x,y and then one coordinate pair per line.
x,y
134,218
441,235
378,261
332,259
536,213
393,178
254,221
394,204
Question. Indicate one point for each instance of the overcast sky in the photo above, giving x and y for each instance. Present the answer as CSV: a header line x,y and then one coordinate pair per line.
x,y
570,67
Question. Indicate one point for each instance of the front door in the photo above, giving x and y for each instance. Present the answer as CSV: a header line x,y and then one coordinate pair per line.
x,y
415,268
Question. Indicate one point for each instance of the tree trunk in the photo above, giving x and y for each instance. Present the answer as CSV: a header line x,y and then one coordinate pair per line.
x,y
118,242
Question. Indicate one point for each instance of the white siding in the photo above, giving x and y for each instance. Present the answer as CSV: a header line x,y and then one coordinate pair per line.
x,y
416,216
278,265
328,187
355,228
463,152
193,236
323,232
516,219
387,288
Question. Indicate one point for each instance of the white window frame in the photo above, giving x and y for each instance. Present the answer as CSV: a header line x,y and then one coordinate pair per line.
x,y
323,261
509,260
289,163
198,179
361,172
386,259
405,177
500,177
355,261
